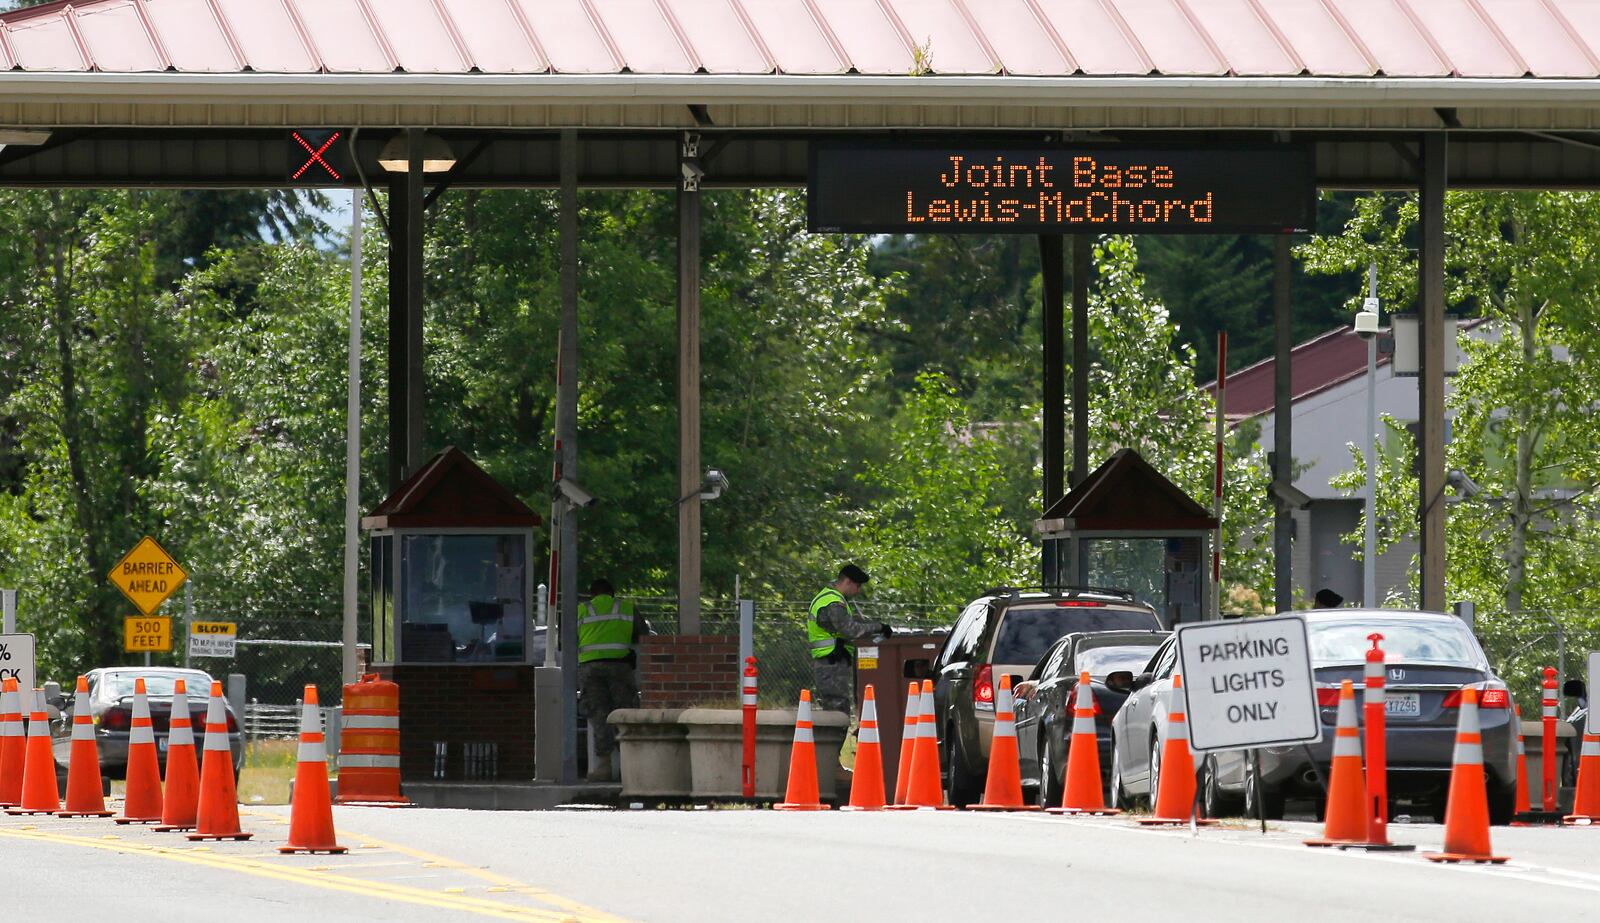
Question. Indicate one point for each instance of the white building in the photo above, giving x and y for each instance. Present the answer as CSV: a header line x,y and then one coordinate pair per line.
x,y
1329,384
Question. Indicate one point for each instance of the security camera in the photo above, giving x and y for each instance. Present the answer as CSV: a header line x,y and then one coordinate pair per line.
x,y
1289,495
693,173
575,493
716,482
1367,320
1464,486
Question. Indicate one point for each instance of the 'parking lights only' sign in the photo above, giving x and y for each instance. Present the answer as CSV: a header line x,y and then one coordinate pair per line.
x,y
1248,683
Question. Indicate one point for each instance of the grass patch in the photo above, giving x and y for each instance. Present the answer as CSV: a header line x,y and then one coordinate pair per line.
x,y
268,768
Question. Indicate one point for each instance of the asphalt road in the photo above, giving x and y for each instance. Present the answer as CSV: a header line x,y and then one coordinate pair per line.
x,y
702,866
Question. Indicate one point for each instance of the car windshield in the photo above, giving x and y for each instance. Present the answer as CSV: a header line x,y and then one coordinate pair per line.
x,y
1404,640
1028,631
120,685
1103,661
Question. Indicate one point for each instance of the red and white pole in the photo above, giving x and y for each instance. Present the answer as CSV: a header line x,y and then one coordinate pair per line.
x,y
748,694
1547,757
1216,494
1377,749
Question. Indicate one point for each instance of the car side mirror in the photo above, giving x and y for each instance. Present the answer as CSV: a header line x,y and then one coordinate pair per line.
x,y
1574,688
1143,680
1120,680
917,669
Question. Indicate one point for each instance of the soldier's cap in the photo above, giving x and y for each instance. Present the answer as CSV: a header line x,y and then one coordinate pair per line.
x,y
854,574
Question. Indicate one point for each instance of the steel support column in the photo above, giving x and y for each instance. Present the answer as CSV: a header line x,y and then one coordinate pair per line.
x,y
1282,421
1082,270
1430,383
416,417
399,337
688,407
1052,438
567,433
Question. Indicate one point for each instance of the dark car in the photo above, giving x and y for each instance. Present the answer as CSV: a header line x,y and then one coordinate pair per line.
x,y
1044,719
1430,658
111,703
1006,632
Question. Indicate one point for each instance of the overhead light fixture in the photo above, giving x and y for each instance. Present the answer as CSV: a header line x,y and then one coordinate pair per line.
x,y
436,154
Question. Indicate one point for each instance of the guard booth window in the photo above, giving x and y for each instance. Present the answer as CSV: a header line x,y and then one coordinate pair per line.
x,y
382,550
462,598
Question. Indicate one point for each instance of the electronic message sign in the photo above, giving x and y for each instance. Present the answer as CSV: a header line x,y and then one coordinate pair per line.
x,y
1006,189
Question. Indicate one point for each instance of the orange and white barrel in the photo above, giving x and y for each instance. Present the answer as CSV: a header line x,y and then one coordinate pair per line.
x,y
369,743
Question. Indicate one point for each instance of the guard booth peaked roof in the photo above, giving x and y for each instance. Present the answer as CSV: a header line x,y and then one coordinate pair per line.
x,y
1125,494
1265,38
451,492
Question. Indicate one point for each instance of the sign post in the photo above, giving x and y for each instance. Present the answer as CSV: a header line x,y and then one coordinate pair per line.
x,y
1248,684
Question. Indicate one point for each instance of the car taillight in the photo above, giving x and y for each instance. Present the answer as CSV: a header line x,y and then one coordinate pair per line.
x,y
1328,696
1487,698
1080,604
983,687
116,719
232,724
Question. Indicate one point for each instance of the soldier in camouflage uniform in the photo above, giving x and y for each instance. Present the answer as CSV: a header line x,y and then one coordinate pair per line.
x,y
831,628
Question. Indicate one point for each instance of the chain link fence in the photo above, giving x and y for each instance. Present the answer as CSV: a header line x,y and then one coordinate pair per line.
x,y
1521,644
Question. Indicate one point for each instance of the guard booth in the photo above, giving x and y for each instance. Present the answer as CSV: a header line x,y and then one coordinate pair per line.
x,y
452,602
1126,526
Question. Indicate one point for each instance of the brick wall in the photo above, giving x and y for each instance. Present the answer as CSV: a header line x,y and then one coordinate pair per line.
x,y
461,705
682,671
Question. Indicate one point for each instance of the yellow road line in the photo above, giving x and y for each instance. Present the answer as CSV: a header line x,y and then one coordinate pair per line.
x,y
495,878
295,875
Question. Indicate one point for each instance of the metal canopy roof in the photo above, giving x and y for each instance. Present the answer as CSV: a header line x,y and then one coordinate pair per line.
x,y
1275,38
188,92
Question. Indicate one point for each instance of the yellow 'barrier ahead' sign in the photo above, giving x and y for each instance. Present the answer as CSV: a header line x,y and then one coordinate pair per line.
x,y
147,575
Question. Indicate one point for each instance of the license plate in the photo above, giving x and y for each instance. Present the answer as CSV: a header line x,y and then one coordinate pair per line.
x,y
1403,705
161,745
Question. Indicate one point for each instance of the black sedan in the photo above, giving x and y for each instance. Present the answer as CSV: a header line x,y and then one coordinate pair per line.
x,y
1045,701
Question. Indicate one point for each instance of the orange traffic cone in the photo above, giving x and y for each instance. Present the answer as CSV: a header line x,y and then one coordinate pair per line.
x,y
1346,820
1084,792
85,791
1175,788
1002,790
866,786
141,800
12,745
922,788
908,737
801,793
39,792
181,799
1466,813
1522,805
311,810
218,815
1586,802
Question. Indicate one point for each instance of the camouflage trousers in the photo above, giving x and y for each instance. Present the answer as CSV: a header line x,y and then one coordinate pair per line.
x,y
607,685
836,685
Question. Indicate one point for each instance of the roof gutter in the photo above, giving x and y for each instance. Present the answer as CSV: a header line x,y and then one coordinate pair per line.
x,y
1207,92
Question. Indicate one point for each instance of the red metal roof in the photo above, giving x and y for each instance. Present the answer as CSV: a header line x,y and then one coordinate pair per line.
x,y
1314,365
1262,38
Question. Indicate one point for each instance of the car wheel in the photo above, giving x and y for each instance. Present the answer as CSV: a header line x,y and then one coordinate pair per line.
x,y
1155,769
1118,797
962,785
1214,801
1049,789
1270,805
